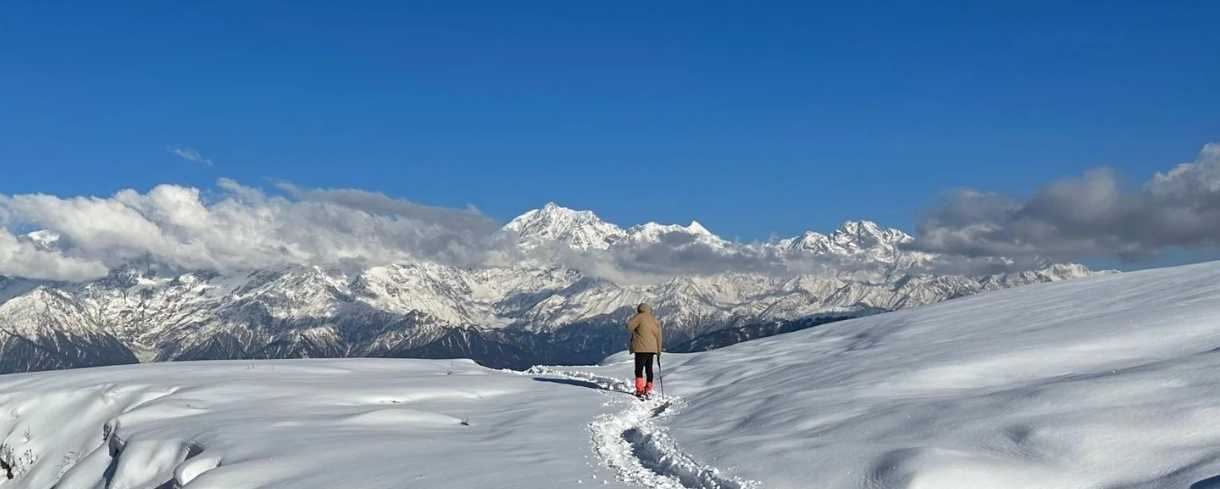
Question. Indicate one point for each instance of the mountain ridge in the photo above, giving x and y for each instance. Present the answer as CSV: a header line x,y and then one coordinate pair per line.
x,y
504,316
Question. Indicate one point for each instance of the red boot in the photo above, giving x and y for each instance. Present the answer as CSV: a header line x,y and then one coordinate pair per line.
x,y
648,389
639,386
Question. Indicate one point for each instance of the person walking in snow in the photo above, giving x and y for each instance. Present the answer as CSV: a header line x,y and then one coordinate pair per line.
x,y
646,345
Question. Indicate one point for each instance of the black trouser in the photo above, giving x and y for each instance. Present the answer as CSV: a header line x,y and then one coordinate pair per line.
x,y
643,362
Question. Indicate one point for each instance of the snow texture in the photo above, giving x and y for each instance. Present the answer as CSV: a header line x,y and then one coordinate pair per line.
x,y
1106,382
296,424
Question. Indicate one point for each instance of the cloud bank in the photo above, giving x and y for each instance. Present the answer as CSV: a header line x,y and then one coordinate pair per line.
x,y
1092,215
672,254
234,227
24,258
239,228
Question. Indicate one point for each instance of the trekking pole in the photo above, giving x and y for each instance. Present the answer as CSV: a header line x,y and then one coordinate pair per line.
x,y
660,374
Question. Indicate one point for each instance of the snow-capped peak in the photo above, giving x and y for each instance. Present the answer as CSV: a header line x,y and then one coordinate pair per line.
x,y
697,228
809,241
869,231
863,240
578,229
853,235
585,231
860,227
651,232
44,239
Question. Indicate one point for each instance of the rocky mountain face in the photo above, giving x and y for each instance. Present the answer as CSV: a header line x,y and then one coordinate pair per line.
x,y
47,329
538,311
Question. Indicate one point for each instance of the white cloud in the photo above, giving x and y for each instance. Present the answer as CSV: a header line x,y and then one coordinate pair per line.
x,y
23,258
189,154
236,227
1088,216
242,228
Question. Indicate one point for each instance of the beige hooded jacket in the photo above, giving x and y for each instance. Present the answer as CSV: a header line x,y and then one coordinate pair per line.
x,y
645,331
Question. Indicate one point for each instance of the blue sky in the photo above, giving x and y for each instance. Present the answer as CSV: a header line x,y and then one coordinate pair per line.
x,y
755,121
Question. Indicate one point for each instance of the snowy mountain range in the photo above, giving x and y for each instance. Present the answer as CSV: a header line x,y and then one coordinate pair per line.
x,y
542,309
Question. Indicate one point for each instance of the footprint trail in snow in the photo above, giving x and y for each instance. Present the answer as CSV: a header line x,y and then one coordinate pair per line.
x,y
641,451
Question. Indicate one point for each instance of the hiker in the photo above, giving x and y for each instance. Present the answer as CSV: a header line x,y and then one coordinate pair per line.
x,y
645,344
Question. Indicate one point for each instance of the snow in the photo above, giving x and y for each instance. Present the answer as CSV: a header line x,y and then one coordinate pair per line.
x,y
651,232
1098,383
44,239
578,229
157,312
1106,382
300,424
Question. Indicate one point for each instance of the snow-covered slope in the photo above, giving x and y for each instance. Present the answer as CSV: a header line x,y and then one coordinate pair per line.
x,y
1098,383
294,424
536,311
1107,382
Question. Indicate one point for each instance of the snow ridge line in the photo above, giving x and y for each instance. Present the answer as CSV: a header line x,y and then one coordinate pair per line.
x,y
640,450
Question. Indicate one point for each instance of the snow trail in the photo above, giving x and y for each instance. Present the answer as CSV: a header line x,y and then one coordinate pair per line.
x,y
640,450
